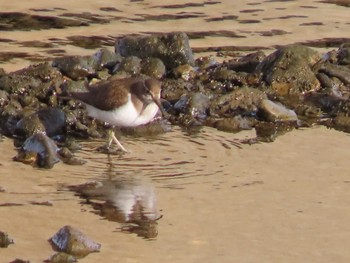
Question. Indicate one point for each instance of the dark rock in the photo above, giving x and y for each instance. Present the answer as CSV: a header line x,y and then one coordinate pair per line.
x,y
173,89
206,62
327,103
288,70
338,71
153,67
268,131
15,83
185,72
39,150
199,105
70,86
244,101
247,63
173,49
4,98
235,124
68,158
43,71
77,67
50,121
130,65
13,109
344,54
341,122
106,58
35,80
5,240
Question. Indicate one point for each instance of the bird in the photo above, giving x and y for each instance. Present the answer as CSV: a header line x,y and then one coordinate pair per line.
x,y
127,102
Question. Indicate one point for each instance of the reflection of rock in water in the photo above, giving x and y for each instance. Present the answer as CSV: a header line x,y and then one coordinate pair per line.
x,y
131,202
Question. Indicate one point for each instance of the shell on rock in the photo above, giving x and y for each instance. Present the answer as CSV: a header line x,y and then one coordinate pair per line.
x,y
71,241
5,240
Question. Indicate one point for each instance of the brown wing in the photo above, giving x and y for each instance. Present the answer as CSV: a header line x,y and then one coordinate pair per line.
x,y
107,95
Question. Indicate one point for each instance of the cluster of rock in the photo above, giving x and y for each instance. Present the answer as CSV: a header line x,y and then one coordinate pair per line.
x,y
292,87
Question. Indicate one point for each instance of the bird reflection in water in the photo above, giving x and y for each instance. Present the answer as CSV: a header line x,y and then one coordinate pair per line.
x,y
130,202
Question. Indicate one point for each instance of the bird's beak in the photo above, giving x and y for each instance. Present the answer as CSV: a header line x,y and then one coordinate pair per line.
x,y
159,104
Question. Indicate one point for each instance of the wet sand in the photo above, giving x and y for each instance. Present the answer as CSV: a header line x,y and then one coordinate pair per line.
x,y
286,201
243,25
280,202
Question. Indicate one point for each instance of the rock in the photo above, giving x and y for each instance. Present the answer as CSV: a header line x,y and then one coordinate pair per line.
x,y
61,257
341,123
338,71
172,89
27,80
344,54
15,83
39,150
181,105
247,63
173,49
106,58
50,121
274,112
71,241
5,240
4,98
130,65
244,101
206,62
235,124
199,105
77,67
153,67
288,70
185,72
268,131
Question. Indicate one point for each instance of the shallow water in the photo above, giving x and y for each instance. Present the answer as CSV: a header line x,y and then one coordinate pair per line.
x,y
284,201
209,198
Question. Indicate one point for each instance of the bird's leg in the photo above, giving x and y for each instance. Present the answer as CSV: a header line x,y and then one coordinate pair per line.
x,y
112,138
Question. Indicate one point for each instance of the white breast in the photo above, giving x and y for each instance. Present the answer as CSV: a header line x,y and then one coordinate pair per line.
x,y
124,116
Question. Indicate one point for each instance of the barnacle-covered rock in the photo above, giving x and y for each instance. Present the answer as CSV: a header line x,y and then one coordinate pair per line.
x,y
173,49
288,70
